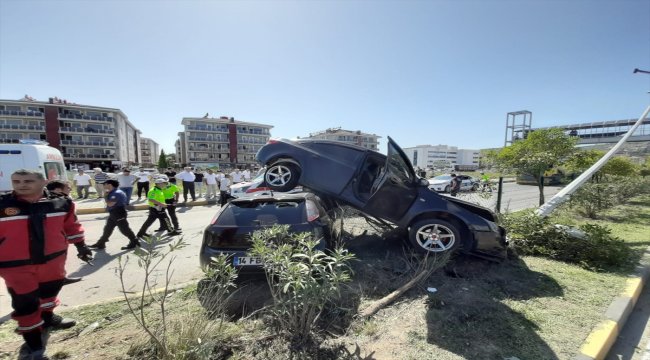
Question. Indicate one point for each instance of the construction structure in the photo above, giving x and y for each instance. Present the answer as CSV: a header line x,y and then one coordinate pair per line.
x,y
518,125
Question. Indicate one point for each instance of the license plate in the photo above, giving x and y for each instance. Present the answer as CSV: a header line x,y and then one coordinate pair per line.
x,y
248,261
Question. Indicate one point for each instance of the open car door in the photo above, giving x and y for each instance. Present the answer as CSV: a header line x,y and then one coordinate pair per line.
x,y
395,189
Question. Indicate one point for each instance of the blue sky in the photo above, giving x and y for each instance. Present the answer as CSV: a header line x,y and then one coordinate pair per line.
x,y
422,72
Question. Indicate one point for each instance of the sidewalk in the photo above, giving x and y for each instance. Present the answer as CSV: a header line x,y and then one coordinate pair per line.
x,y
98,206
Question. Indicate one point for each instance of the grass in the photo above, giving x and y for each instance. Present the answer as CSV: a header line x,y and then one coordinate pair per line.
x,y
527,307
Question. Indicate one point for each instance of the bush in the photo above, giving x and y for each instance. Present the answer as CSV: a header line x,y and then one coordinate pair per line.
x,y
592,198
594,249
303,280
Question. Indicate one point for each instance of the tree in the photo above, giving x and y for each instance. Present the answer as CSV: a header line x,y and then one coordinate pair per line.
x,y
162,160
645,168
619,166
539,152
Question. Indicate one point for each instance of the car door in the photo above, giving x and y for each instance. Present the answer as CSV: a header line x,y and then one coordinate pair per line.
x,y
395,189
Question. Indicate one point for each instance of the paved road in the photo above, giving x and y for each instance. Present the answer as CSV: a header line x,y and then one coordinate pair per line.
x,y
101,281
633,343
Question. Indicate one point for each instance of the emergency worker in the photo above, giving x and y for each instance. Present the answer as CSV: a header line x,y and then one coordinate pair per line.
x,y
117,216
36,229
157,207
172,193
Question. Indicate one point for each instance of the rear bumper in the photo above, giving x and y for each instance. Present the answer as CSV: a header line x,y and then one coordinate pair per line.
x,y
207,253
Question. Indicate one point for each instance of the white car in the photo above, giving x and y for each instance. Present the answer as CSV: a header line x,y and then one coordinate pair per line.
x,y
442,183
254,186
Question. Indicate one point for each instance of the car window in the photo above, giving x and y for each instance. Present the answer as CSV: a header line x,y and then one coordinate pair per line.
x,y
398,163
442,177
258,213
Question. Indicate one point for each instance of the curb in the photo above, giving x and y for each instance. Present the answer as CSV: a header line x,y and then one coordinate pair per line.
x,y
604,335
101,210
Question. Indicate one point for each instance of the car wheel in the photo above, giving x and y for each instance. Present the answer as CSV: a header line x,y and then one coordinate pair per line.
x,y
447,188
475,187
434,235
282,176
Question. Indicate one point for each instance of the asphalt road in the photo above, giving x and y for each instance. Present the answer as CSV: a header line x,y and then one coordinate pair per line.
x,y
101,281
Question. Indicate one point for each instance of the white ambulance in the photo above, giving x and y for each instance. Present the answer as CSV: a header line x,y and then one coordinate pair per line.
x,y
31,156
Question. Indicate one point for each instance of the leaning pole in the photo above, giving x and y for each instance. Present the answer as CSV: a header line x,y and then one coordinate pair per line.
x,y
563,195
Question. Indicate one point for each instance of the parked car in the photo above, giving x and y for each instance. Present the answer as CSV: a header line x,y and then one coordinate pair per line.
x,y
525,179
231,228
442,183
385,187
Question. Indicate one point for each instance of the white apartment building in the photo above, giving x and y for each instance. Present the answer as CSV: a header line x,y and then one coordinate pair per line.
x,y
368,141
86,135
221,142
443,156
150,152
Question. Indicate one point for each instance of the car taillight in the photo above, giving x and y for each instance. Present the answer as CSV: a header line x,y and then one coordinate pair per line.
x,y
214,219
312,211
272,141
261,188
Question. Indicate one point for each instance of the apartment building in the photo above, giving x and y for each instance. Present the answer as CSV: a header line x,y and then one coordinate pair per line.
x,y
221,142
150,152
87,136
443,156
368,141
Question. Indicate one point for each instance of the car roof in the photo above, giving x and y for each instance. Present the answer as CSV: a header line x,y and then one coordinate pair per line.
x,y
272,196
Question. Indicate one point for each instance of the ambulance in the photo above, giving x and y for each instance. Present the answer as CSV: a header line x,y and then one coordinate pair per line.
x,y
30,156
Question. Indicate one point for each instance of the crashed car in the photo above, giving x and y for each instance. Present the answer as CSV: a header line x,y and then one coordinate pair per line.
x,y
384,187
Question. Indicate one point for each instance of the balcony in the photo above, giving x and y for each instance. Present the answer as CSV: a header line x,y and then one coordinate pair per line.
x,y
85,117
21,113
22,127
9,141
206,139
85,130
88,143
88,156
206,128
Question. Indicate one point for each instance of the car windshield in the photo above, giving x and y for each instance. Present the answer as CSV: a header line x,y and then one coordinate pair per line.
x,y
442,177
259,213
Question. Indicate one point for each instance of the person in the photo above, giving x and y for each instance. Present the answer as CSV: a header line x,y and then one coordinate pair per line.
x,y
187,177
127,180
236,176
211,182
224,186
36,231
171,175
198,181
171,199
455,185
100,177
246,174
485,182
157,207
143,183
82,181
116,206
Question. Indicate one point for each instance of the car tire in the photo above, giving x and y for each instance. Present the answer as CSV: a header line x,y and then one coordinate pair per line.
x,y
282,176
475,187
434,236
447,188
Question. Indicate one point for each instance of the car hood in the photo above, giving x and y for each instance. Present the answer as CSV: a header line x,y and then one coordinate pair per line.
x,y
438,182
476,209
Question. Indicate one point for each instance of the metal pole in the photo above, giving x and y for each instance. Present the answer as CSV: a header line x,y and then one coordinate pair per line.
x,y
499,193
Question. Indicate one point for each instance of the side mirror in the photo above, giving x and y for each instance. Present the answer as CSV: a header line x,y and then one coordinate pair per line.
x,y
423,182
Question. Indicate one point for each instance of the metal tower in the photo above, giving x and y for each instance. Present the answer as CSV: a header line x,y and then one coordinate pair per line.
x,y
518,125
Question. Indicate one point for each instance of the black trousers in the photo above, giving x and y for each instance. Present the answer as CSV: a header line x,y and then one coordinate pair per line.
x,y
171,210
224,196
143,186
188,186
117,218
151,218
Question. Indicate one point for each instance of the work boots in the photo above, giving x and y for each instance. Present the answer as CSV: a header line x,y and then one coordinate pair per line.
x,y
56,322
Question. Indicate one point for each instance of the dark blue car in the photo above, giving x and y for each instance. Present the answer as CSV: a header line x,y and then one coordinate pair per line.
x,y
384,187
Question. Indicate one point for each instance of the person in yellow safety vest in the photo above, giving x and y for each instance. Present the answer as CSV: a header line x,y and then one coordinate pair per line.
x,y
171,199
157,207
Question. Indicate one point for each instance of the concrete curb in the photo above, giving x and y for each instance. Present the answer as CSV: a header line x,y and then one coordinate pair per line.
x,y
101,210
604,335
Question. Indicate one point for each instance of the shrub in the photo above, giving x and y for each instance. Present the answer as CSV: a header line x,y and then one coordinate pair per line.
x,y
592,198
595,248
303,279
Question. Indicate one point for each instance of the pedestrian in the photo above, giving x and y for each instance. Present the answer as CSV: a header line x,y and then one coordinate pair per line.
x,y
171,175
116,206
62,188
82,182
455,185
224,187
126,181
236,176
246,174
211,183
100,177
157,207
485,181
198,181
36,231
171,193
187,177
143,183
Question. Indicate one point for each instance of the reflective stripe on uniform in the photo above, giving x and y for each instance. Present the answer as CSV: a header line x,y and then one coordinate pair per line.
x,y
57,214
74,236
19,217
27,328
48,305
